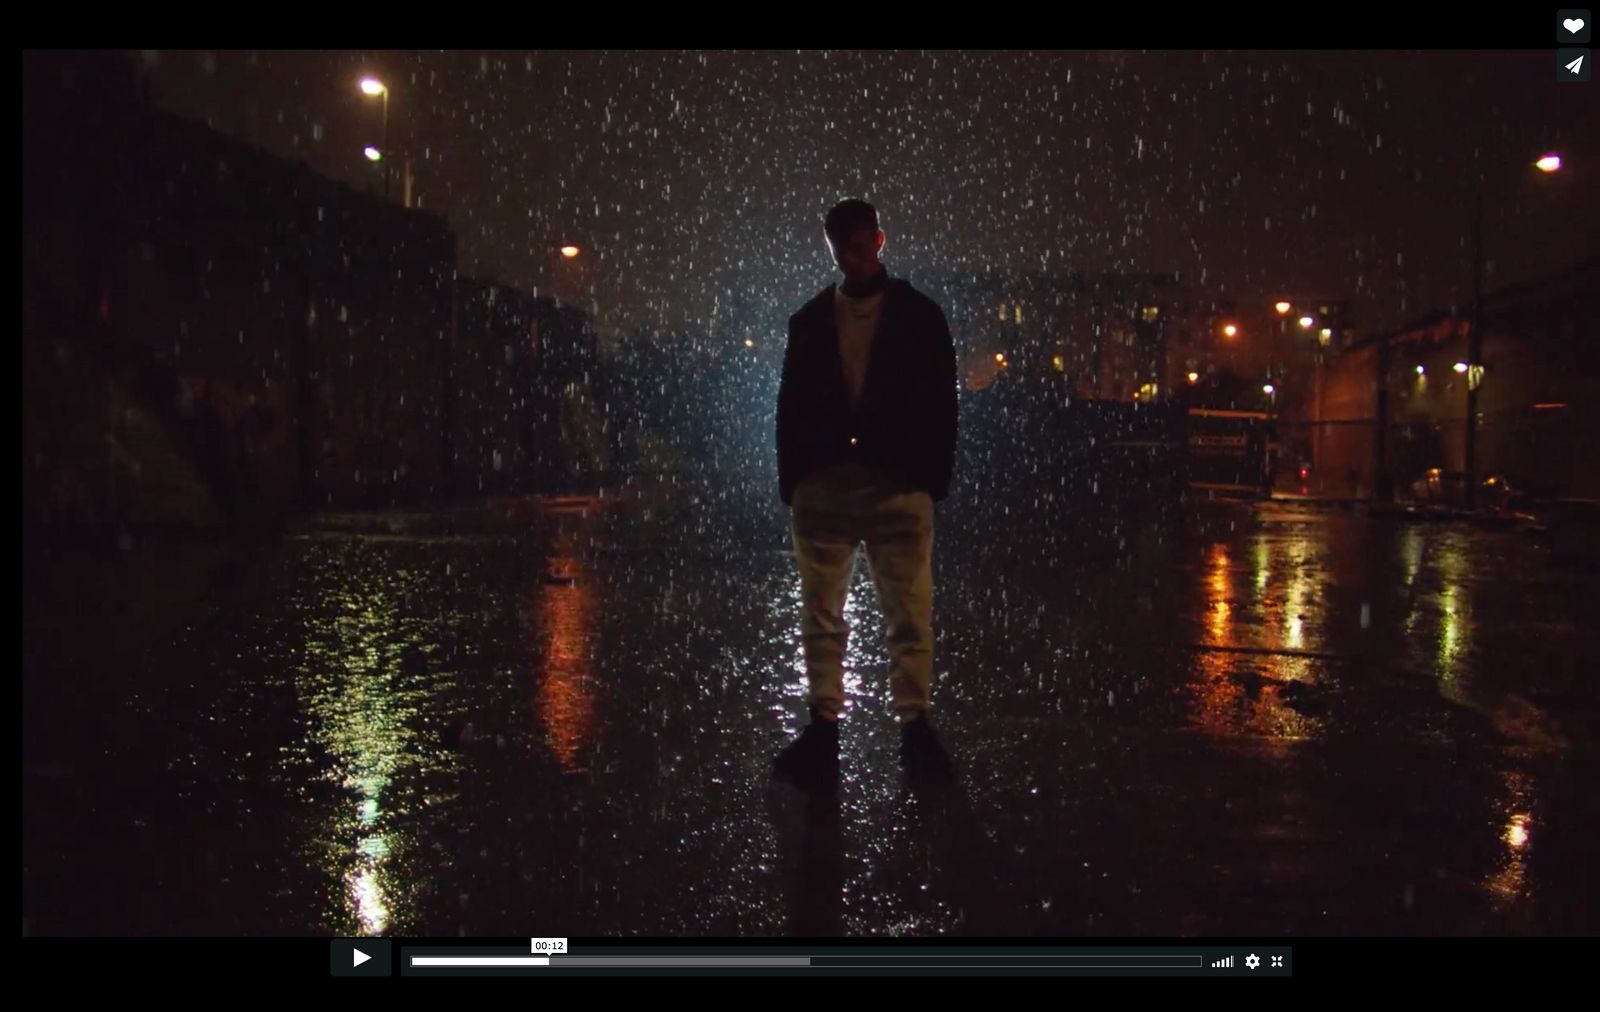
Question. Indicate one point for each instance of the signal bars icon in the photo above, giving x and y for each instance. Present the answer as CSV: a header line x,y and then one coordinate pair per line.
x,y
1223,964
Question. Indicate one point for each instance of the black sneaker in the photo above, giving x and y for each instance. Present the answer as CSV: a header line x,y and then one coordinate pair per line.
x,y
922,754
811,760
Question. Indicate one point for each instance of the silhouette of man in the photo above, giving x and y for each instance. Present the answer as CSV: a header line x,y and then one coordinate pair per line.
x,y
866,433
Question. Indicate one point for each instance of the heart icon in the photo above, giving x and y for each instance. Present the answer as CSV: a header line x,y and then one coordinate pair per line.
x,y
1573,25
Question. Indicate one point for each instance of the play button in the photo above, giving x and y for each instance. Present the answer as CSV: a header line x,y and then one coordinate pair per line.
x,y
361,957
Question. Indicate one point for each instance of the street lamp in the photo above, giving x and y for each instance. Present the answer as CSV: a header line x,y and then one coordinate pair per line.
x,y
372,87
1306,322
375,88
1473,367
1231,330
553,258
1282,308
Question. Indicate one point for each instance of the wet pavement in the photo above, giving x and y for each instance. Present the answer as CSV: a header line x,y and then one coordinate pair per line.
x,y
526,718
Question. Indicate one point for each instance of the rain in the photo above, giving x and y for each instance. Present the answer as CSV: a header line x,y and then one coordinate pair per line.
x,y
405,552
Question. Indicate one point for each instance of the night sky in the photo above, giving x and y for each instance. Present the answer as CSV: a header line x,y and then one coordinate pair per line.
x,y
693,176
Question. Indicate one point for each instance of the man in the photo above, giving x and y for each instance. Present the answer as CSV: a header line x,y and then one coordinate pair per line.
x,y
866,445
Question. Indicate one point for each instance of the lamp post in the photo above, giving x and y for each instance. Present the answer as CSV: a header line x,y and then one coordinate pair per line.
x,y
554,257
1474,364
373,87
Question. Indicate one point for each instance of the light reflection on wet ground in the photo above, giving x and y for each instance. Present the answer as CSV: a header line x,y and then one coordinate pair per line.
x,y
1255,720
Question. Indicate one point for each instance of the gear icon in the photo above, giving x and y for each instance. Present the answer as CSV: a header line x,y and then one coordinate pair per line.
x,y
1252,961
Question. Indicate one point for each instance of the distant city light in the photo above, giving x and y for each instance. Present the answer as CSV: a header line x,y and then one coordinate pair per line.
x,y
1283,308
1194,377
1269,389
1421,371
373,86
1306,322
569,251
1461,367
374,155
1549,163
1230,330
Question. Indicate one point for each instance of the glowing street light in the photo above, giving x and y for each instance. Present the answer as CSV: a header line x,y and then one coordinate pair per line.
x,y
562,276
1269,389
749,343
1306,322
1282,308
1231,330
1549,163
1421,371
1194,377
374,88
1461,367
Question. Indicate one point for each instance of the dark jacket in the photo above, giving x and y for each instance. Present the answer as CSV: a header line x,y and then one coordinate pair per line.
x,y
906,422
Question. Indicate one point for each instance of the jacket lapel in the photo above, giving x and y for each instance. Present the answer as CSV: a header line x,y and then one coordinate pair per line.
x,y
824,328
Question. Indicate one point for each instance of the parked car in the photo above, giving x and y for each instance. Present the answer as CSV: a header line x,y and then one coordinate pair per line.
x,y
1449,488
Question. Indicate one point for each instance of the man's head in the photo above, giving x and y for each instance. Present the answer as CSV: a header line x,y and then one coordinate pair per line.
x,y
854,239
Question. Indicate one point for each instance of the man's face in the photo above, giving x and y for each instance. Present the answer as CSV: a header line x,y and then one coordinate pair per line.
x,y
857,255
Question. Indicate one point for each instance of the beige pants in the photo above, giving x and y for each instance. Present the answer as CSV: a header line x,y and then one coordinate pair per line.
x,y
831,513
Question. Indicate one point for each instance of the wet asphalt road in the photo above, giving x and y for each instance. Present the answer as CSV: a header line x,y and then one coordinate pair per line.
x,y
559,720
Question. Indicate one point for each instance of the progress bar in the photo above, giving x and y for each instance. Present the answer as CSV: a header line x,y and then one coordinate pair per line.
x,y
1041,962
480,960
1205,961
610,960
